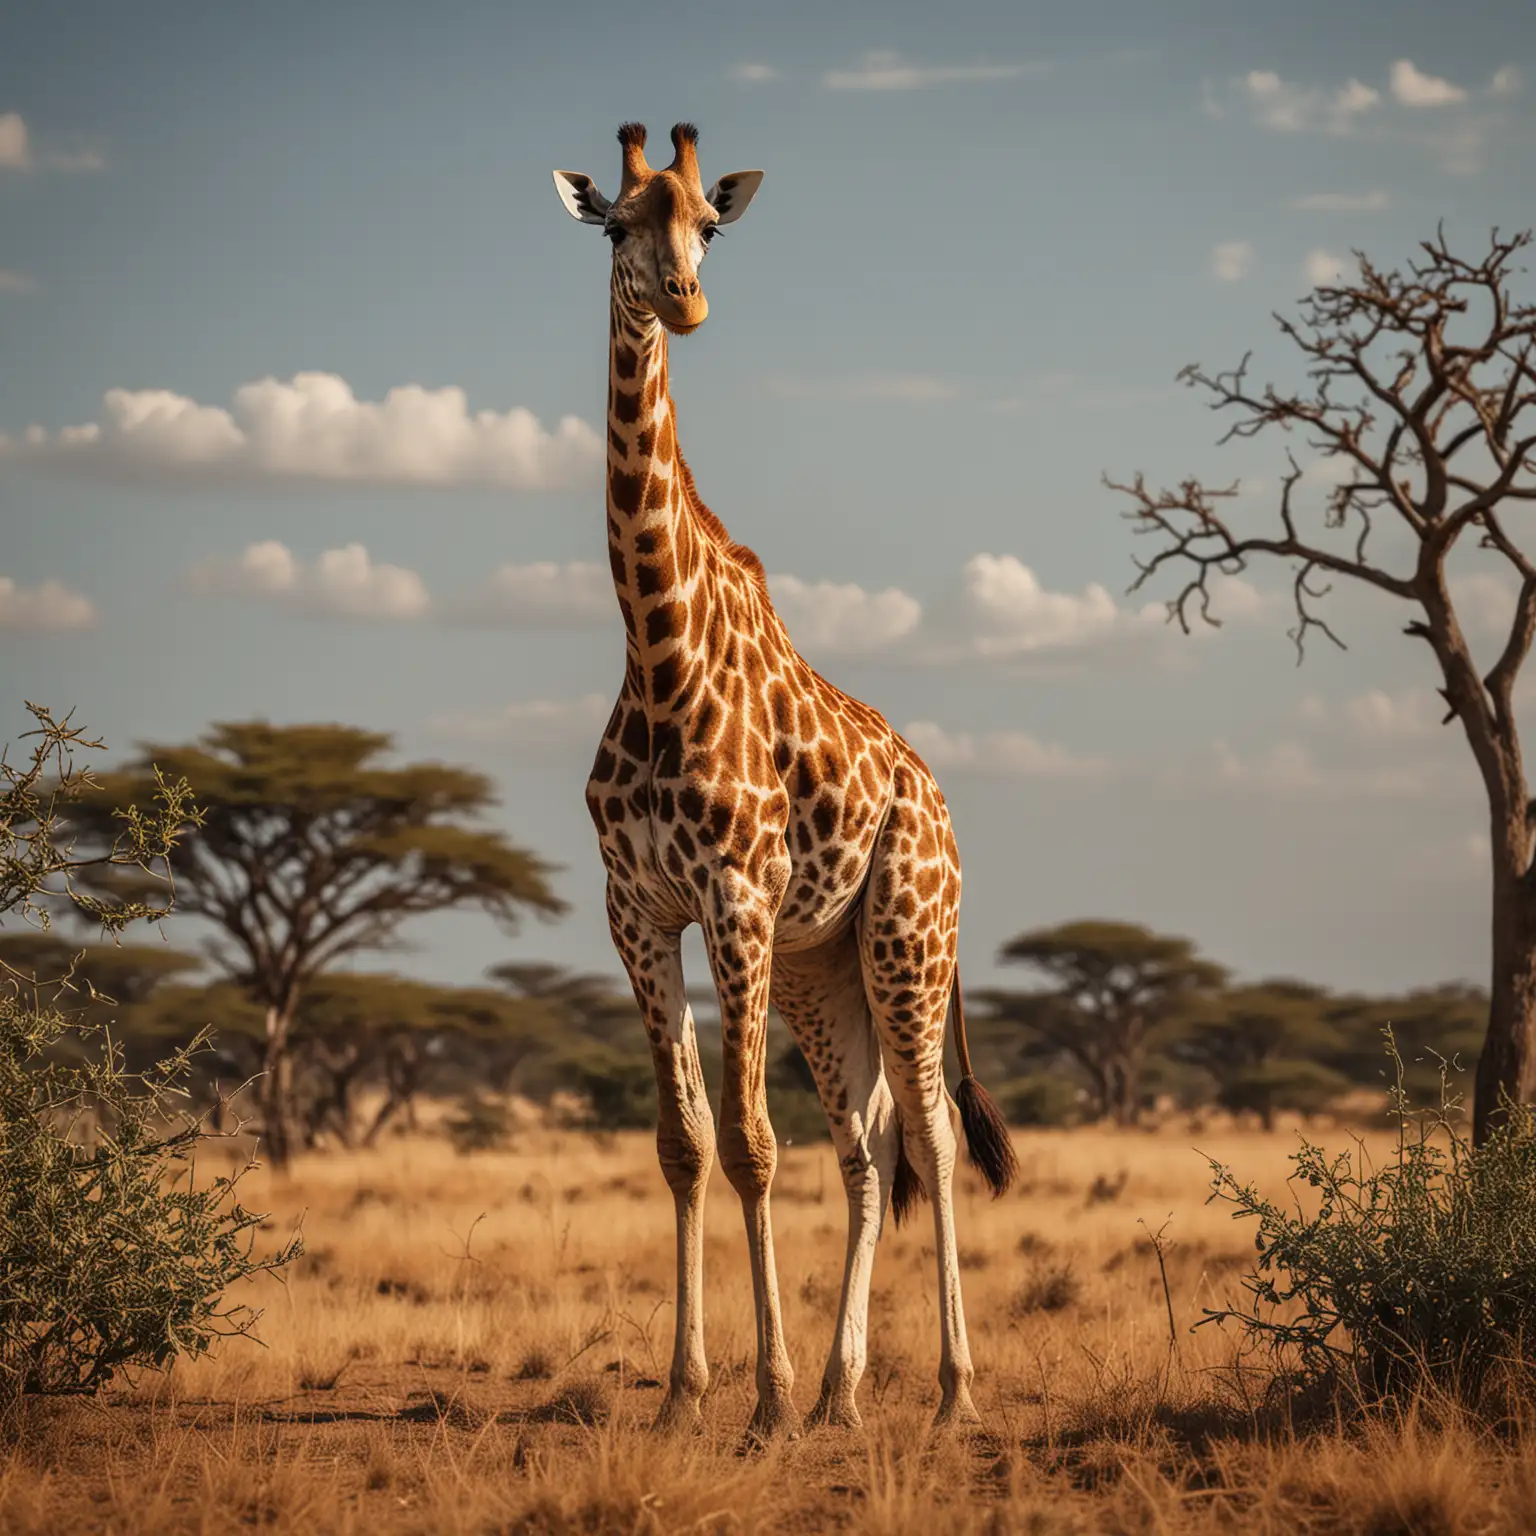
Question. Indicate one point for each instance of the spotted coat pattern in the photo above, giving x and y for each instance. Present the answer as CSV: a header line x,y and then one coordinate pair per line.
x,y
737,789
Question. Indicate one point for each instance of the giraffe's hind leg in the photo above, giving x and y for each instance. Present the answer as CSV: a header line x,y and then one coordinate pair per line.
x,y
820,994
907,949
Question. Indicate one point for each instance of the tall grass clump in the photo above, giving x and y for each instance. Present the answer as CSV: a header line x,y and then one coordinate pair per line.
x,y
113,1254
1419,1272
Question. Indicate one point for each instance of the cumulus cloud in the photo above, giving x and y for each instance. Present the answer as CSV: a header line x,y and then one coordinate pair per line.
x,y
1506,81
19,152
754,74
312,429
1377,715
1010,612
1001,611
830,617
883,70
15,143
15,282
1341,202
1284,107
541,594
1413,88
1323,267
1288,770
343,583
999,754
1231,260
537,722
48,606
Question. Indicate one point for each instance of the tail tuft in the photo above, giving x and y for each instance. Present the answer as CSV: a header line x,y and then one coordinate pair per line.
x,y
907,1190
986,1136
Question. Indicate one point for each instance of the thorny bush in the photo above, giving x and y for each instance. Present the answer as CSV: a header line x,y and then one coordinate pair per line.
x,y
1421,1271
113,1254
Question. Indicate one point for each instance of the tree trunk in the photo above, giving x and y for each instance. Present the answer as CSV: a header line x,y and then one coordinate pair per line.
x,y
1506,1070
1121,1089
276,1093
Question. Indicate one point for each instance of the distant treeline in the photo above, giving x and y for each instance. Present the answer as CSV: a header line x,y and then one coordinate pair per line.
x,y
1123,1020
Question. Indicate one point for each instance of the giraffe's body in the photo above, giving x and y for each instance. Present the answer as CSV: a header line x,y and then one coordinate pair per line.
x,y
737,789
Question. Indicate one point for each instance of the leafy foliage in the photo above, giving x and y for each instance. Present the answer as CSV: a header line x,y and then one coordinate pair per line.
x,y
482,1124
112,1254
308,850
1425,1266
1119,990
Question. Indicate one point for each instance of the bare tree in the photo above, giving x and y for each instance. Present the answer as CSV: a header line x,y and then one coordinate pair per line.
x,y
1421,382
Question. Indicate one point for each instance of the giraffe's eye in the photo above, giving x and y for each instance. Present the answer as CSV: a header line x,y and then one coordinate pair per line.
x,y
708,233
615,233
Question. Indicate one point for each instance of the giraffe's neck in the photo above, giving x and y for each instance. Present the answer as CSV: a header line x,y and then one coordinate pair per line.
x,y
658,550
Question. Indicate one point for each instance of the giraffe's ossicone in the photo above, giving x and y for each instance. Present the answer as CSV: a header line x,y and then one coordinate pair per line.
x,y
737,789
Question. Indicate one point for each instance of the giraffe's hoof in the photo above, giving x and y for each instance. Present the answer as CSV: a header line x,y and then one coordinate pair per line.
x,y
836,1410
957,1413
677,1416
775,1418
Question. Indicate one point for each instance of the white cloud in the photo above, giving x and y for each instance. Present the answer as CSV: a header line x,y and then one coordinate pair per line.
x,y
343,583
913,388
1323,268
16,282
538,722
311,428
18,152
539,595
1231,260
1485,603
839,617
1380,716
1414,89
1506,81
1287,770
1284,107
15,143
1010,613
49,605
1002,612
883,70
754,74
999,754
1341,202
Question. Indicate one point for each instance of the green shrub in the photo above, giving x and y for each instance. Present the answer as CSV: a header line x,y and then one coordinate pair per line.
x,y
1422,1269
112,1254
620,1090
1041,1098
481,1125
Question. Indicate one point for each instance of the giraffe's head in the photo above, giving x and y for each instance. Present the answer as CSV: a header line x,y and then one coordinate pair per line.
x,y
660,223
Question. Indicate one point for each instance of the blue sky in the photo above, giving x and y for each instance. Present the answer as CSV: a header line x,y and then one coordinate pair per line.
x,y
988,237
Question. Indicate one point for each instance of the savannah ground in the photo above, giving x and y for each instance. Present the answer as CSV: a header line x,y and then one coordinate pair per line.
x,y
477,1344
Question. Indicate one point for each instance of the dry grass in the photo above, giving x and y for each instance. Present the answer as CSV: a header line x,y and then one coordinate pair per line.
x,y
476,1345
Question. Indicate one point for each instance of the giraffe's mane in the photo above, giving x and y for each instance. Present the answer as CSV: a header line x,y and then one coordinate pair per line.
x,y
717,534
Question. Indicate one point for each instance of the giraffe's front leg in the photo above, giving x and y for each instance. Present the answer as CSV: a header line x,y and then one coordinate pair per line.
x,y
740,952
685,1139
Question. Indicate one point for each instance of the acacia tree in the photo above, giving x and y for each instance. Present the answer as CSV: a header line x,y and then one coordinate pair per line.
x,y
309,850
1118,990
1267,1047
1421,388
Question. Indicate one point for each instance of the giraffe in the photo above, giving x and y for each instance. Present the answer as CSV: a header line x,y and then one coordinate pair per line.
x,y
737,789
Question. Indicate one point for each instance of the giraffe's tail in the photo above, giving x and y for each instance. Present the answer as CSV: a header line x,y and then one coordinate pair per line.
x,y
907,1190
986,1132
987,1142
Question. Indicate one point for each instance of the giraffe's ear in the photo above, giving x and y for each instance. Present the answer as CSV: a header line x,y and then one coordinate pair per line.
x,y
730,195
581,198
